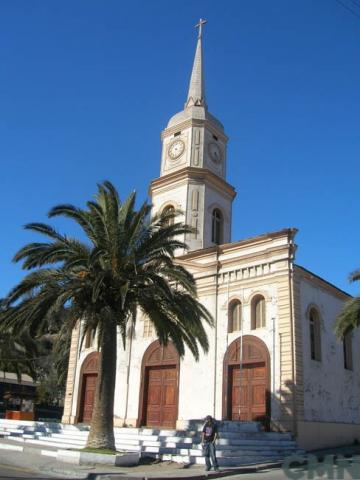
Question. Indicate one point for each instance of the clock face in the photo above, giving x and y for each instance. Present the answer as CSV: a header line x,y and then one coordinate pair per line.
x,y
176,149
214,152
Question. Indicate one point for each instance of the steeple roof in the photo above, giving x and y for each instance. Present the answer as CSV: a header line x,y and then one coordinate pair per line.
x,y
196,95
195,106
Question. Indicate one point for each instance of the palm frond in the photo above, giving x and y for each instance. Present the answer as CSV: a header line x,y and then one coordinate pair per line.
x,y
349,317
127,264
77,214
355,275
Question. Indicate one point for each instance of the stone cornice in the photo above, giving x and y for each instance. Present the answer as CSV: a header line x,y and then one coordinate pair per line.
x,y
255,260
269,255
195,123
233,246
207,285
253,257
192,173
264,238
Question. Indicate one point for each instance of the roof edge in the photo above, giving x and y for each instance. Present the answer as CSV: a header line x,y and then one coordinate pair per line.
x,y
290,232
322,280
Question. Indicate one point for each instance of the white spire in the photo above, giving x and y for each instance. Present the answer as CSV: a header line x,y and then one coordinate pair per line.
x,y
196,95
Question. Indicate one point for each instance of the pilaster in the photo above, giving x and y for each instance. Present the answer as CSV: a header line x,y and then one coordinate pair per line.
x,y
68,417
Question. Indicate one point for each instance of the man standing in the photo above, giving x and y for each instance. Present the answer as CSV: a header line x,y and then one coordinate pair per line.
x,y
208,438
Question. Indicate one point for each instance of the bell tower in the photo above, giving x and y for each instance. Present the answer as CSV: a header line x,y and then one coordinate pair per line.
x,y
193,166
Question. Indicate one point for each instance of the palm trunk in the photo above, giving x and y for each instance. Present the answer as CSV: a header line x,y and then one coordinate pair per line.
x,y
102,423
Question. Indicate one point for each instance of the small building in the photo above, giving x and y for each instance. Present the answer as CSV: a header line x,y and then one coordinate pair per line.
x,y
17,395
273,355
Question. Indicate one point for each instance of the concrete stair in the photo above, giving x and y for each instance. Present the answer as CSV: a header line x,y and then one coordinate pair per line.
x,y
239,442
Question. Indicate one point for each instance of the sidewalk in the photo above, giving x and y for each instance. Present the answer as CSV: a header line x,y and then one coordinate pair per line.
x,y
32,457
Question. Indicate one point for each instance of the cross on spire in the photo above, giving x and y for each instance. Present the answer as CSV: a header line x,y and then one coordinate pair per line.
x,y
196,94
200,26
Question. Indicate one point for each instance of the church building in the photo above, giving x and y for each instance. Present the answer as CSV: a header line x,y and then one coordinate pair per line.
x,y
273,355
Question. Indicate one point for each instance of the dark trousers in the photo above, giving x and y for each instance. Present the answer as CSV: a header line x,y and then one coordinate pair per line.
x,y
210,452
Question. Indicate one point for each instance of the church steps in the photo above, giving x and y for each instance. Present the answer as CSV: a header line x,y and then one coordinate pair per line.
x,y
64,440
273,436
127,441
240,445
148,432
256,435
268,452
74,436
223,462
197,451
51,426
179,438
45,441
223,446
11,431
49,443
159,446
142,438
128,448
225,442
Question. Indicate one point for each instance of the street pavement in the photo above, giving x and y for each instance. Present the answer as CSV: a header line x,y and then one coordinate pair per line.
x,y
31,458
9,473
30,464
278,474
20,473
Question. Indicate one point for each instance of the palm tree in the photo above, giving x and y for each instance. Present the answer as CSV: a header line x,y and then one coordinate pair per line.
x,y
349,317
126,265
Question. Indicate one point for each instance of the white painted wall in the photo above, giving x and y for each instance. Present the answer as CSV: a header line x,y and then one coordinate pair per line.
x,y
167,164
196,380
200,383
196,389
176,196
268,334
331,393
215,199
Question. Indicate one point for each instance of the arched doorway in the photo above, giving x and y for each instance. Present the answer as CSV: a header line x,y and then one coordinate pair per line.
x,y
159,386
246,387
88,380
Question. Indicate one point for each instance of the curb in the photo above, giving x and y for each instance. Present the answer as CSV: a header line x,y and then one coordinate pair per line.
x,y
91,458
201,476
74,457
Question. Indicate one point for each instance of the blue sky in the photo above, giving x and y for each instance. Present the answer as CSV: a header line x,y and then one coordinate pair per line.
x,y
87,86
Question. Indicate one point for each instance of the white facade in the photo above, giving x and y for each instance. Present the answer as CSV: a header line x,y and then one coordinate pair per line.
x,y
331,392
273,360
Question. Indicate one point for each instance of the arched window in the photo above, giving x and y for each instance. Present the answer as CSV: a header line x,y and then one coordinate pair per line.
x,y
235,316
217,226
169,210
258,312
89,338
148,328
347,346
315,337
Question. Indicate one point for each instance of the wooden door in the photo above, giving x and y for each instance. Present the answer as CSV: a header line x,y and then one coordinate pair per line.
x,y
239,394
88,396
247,393
161,398
258,383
